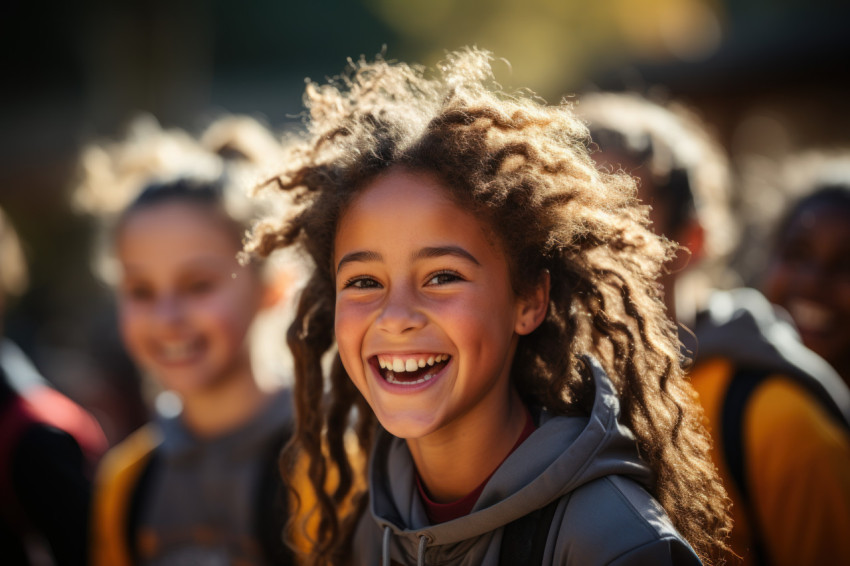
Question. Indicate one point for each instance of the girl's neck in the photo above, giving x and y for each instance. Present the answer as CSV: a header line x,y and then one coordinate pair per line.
x,y
452,463
226,406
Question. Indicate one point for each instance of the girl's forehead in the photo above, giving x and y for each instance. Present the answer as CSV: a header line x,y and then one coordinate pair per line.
x,y
406,183
403,189
180,217
413,194
817,216
175,234
413,208
822,206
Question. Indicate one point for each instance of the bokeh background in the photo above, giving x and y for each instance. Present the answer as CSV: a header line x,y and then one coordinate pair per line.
x,y
769,76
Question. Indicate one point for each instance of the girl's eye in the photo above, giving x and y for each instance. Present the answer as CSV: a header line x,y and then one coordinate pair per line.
x,y
794,251
443,278
362,282
138,293
199,287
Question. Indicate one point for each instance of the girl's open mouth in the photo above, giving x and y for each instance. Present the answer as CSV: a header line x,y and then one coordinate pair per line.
x,y
181,352
410,370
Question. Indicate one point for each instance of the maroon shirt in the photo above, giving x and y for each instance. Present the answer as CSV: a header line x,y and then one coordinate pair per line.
x,y
442,512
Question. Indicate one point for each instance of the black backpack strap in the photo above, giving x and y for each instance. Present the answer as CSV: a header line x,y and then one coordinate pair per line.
x,y
524,540
272,509
741,387
137,500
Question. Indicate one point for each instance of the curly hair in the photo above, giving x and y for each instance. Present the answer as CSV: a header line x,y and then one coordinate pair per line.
x,y
151,163
523,168
689,169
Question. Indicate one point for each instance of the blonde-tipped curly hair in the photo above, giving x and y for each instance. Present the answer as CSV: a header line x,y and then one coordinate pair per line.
x,y
232,153
672,141
524,169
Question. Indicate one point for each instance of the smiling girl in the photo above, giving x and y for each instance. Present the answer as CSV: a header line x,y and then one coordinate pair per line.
x,y
809,269
499,343
200,486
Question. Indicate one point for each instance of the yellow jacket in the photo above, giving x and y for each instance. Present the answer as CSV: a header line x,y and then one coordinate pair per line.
x,y
118,477
116,480
797,470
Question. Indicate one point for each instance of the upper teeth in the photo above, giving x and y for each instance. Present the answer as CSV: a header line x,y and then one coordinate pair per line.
x,y
176,350
398,364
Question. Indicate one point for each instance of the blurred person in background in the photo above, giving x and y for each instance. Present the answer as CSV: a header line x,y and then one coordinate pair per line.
x,y
778,412
200,484
49,447
808,270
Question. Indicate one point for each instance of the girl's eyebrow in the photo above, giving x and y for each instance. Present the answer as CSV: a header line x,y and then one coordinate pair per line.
x,y
200,262
358,256
424,253
441,251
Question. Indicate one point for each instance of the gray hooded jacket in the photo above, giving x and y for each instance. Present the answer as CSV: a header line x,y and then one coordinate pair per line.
x,y
590,464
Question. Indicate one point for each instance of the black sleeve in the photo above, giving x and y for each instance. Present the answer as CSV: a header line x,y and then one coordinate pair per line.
x,y
48,473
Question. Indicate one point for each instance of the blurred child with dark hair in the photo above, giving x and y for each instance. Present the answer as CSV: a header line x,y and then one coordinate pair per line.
x,y
778,413
809,266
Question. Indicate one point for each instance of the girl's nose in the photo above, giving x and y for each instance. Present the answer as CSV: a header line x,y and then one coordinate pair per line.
x,y
400,313
168,309
811,278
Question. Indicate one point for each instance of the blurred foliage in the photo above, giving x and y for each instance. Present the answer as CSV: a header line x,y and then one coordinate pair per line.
x,y
552,44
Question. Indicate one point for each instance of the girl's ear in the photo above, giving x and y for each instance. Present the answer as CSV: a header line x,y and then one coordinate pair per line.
x,y
692,237
531,309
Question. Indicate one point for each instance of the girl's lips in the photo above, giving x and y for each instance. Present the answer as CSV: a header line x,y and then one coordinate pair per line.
x,y
178,353
408,372
810,316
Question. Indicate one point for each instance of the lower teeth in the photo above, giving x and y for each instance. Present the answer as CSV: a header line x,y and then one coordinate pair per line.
x,y
391,379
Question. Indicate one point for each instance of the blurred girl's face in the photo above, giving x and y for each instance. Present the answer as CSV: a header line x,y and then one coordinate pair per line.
x,y
185,304
810,276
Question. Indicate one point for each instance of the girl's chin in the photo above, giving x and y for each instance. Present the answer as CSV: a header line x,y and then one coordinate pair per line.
x,y
407,420
407,429
188,384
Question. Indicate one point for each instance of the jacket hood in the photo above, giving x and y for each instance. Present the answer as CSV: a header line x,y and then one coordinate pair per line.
x,y
559,456
742,326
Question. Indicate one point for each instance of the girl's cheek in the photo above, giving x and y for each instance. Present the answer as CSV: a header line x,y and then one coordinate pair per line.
x,y
344,339
345,319
347,341
129,315
774,282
